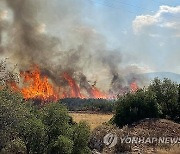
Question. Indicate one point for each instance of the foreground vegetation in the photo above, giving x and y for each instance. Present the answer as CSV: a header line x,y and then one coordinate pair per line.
x,y
25,128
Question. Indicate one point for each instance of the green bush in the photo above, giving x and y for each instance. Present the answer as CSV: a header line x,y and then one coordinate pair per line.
x,y
17,121
26,129
134,107
167,94
15,146
56,120
63,145
160,100
33,132
80,138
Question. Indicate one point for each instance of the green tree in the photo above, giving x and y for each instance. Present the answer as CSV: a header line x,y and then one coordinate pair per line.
x,y
63,145
56,119
167,94
17,121
62,130
24,128
16,146
32,130
135,106
81,137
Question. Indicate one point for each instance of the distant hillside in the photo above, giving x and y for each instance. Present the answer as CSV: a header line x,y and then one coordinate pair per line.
x,y
173,76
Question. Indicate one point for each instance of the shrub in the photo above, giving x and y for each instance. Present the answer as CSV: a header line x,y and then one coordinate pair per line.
x,y
16,146
160,99
167,94
27,129
134,107
56,120
81,138
62,145
33,132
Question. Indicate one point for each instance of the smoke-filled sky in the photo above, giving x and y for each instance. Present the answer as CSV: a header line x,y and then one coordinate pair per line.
x,y
95,37
146,32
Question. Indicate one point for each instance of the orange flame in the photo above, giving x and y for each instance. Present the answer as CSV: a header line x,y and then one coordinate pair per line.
x,y
75,90
97,93
37,87
134,87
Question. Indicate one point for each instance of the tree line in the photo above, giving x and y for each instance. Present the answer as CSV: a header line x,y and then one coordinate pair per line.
x,y
94,105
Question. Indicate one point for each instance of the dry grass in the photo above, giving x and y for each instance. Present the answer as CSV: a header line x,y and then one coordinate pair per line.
x,y
173,150
92,119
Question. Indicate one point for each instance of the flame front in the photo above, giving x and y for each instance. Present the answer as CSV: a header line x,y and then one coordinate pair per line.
x,y
96,93
75,90
37,86
134,87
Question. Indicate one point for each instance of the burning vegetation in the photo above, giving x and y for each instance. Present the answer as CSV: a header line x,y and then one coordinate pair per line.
x,y
34,85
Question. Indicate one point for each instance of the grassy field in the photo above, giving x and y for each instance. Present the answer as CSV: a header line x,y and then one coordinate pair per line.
x,y
93,119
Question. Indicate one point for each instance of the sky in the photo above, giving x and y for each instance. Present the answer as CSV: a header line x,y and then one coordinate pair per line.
x,y
146,33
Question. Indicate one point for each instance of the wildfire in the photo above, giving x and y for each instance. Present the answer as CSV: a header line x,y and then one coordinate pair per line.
x,y
75,90
97,94
37,86
134,87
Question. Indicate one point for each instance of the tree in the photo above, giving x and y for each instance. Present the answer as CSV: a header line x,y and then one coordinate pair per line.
x,y
33,132
160,99
167,94
64,136
49,129
56,119
17,122
81,138
135,106
16,146
63,145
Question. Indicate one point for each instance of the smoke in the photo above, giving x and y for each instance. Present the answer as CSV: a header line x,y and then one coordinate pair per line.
x,y
3,26
79,50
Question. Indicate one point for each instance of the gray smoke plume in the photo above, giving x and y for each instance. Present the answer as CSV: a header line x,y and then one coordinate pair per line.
x,y
3,26
81,51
